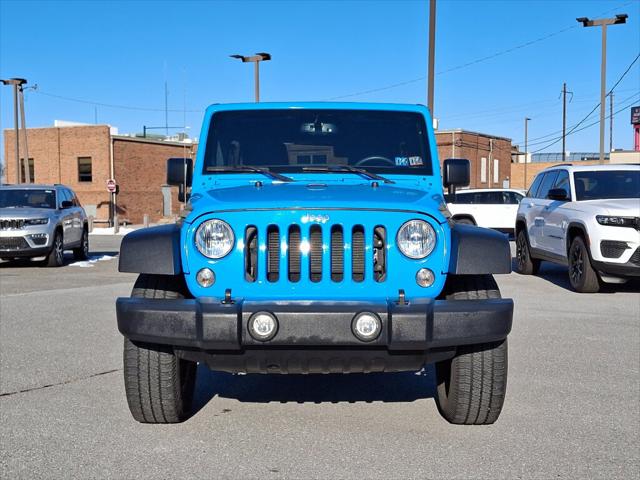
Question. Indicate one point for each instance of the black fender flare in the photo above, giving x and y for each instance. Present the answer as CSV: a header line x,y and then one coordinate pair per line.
x,y
478,251
153,250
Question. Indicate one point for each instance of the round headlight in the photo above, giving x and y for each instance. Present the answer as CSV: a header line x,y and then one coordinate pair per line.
x,y
416,239
214,238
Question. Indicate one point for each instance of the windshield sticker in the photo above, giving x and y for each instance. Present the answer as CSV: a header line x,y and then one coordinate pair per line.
x,y
402,162
415,161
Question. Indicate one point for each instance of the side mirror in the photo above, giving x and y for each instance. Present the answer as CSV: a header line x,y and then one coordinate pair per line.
x,y
179,171
456,172
66,204
558,194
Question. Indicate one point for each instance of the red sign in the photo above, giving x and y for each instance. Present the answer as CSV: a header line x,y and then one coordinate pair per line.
x,y
111,185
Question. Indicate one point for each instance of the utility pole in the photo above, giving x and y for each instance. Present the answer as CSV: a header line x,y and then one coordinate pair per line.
x,y
526,146
564,120
603,23
432,54
255,59
17,84
27,171
610,123
166,109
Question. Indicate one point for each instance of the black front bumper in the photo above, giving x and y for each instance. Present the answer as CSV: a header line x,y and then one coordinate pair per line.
x,y
629,269
306,329
25,252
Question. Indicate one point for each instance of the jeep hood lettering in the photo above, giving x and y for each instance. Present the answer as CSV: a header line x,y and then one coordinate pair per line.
x,y
319,196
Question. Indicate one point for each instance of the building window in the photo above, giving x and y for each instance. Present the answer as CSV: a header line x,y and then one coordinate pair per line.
x,y
84,169
483,170
32,176
496,171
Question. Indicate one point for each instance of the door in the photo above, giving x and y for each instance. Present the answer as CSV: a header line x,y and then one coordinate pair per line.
x,y
556,218
534,204
511,201
67,217
541,204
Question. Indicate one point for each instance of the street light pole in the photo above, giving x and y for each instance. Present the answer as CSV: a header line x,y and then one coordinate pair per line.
x,y
526,146
17,84
603,23
255,59
432,54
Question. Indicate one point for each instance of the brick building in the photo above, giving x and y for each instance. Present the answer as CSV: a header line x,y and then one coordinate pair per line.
x,y
84,157
490,156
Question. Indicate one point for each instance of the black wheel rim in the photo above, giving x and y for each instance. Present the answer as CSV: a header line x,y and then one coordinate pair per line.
x,y
576,264
522,252
85,244
59,252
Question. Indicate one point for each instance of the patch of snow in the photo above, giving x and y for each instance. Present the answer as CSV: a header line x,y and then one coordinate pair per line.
x,y
90,263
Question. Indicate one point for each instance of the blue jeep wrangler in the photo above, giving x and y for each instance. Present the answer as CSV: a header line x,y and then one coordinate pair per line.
x,y
315,239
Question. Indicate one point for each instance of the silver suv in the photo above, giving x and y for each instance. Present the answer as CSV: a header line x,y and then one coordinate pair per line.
x,y
42,220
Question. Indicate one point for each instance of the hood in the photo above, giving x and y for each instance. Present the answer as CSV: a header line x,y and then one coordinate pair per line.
x,y
320,195
25,212
626,207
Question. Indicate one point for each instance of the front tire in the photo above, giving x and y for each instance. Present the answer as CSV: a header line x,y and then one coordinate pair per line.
x,y
56,255
82,252
471,386
582,276
526,265
159,386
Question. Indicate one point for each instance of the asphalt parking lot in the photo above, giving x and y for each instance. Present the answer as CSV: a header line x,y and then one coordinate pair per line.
x,y
572,406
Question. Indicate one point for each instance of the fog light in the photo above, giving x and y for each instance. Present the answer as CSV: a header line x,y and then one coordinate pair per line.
x,y
206,277
425,277
366,326
263,326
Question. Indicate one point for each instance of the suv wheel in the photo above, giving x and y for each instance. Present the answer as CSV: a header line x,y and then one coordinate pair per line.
x,y
159,386
526,265
582,276
82,252
56,255
472,385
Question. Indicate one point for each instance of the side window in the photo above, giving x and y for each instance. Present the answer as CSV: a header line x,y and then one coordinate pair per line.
x,y
563,181
511,198
464,198
534,186
547,184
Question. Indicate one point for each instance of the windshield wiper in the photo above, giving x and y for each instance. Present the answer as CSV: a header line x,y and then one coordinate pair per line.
x,y
247,168
347,168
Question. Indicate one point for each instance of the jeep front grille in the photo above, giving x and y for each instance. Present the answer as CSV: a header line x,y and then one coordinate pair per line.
x,y
13,243
345,248
11,224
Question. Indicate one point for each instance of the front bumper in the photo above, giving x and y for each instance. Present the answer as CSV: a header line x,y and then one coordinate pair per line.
x,y
313,336
31,242
629,269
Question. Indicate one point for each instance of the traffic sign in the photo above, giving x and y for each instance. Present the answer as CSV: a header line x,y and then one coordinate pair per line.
x,y
111,185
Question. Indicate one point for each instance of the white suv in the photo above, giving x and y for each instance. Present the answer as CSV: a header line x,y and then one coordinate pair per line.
x,y
585,217
488,207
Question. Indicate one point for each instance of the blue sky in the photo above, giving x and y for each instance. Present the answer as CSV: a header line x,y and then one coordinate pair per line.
x,y
118,54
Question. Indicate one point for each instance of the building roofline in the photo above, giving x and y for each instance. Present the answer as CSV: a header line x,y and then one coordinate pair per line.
x,y
127,138
471,132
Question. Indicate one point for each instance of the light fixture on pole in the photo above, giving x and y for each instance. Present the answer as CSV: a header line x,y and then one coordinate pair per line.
x,y
255,59
603,23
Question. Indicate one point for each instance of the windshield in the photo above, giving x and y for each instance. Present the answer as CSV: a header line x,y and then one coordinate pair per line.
x,y
294,140
604,184
31,198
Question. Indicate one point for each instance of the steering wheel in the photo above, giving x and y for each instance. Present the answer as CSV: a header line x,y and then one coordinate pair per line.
x,y
375,157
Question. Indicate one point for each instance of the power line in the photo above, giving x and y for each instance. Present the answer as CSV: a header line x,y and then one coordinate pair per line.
x,y
598,105
111,105
585,127
472,62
